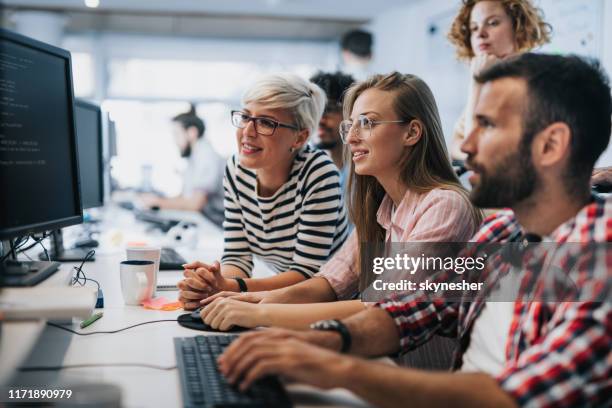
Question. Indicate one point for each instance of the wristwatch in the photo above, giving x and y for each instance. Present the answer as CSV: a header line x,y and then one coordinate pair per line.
x,y
242,285
338,327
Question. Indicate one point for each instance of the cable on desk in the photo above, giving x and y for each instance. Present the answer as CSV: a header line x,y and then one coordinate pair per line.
x,y
36,242
67,367
16,247
44,250
109,331
80,274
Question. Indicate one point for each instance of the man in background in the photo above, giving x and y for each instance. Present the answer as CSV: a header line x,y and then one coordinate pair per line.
x,y
357,53
334,85
203,178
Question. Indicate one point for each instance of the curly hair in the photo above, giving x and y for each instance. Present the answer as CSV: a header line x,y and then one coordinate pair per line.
x,y
530,29
333,84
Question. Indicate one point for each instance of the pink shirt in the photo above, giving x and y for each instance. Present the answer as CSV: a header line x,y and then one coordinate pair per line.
x,y
439,215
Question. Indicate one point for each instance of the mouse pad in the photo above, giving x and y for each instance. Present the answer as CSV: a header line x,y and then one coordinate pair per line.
x,y
185,320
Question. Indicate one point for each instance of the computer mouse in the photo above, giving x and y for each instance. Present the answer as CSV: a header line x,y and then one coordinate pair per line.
x,y
127,205
195,315
86,243
194,321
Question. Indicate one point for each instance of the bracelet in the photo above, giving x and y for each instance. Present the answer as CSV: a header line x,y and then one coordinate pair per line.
x,y
242,285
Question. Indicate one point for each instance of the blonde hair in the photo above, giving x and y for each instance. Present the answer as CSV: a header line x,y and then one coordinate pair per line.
x,y
424,167
530,29
305,100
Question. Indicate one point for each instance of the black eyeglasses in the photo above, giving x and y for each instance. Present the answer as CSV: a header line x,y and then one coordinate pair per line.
x,y
263,126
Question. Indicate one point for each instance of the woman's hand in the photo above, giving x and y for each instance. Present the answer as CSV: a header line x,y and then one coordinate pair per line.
x,y
267,296
250,297
223,313
201,280
290,354
602,176
481,62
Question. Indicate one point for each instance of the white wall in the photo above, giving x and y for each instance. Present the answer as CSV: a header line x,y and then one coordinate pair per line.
x,y
606,157
403,42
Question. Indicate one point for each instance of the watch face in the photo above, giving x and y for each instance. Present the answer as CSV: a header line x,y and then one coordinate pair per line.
x,y
325,325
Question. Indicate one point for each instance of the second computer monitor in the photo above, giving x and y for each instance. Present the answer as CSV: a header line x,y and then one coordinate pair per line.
x,y
89,147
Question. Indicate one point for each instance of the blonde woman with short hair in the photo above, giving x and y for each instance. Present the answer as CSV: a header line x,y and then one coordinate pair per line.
x,y
283,202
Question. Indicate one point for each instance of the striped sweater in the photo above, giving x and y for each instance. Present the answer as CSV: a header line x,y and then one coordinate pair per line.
x,y
298,228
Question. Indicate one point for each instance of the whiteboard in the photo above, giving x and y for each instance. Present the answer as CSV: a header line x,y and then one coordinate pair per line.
x,y
577,27
440,51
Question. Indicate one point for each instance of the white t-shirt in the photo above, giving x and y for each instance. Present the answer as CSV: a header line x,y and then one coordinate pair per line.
x,y
205,173
487,349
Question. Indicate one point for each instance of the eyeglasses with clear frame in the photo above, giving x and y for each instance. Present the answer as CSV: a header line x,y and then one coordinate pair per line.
x,y
263,126
363,128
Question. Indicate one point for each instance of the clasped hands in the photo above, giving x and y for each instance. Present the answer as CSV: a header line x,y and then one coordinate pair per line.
x,y
223,306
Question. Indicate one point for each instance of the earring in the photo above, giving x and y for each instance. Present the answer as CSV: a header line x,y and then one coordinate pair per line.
x,y
291,149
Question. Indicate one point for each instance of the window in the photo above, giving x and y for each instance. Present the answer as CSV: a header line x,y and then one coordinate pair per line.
x,y
144,95
83,74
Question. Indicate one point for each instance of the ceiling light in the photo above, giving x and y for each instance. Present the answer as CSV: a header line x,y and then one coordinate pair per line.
x,y
92,3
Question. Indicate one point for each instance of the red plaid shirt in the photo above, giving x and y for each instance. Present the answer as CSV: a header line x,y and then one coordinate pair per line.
x,y
557,354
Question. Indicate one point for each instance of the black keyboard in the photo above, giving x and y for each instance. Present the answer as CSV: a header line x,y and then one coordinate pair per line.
x,y
203,385
152,217
170,260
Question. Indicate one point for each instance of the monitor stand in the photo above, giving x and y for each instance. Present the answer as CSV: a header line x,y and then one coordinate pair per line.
x,y
25,273
59,254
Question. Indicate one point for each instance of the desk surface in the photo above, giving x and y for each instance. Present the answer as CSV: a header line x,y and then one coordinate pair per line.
x,y
149,344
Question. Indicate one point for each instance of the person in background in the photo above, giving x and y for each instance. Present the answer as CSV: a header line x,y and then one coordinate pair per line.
x,y
283,202
487,31
203,179
403,189
602,178
523,353
356,49
334,85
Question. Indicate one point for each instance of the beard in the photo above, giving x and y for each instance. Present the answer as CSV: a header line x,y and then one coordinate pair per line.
x,y
326,145
511,181
186,152
331,137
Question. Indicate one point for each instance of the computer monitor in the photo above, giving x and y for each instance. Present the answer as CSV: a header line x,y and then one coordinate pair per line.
x,y
112,138
111,151
88,118
89,147
39,176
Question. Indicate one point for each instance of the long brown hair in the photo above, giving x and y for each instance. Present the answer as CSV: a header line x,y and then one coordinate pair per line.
x,y
424,167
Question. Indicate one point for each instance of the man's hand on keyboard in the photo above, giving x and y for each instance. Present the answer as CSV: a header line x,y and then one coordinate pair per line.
x,y
201,280
289,354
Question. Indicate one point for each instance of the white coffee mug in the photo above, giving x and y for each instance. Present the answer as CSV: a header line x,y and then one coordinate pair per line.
x,y
138,281
145,253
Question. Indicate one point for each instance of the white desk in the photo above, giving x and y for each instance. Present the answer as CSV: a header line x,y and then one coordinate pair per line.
x,y
148,344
